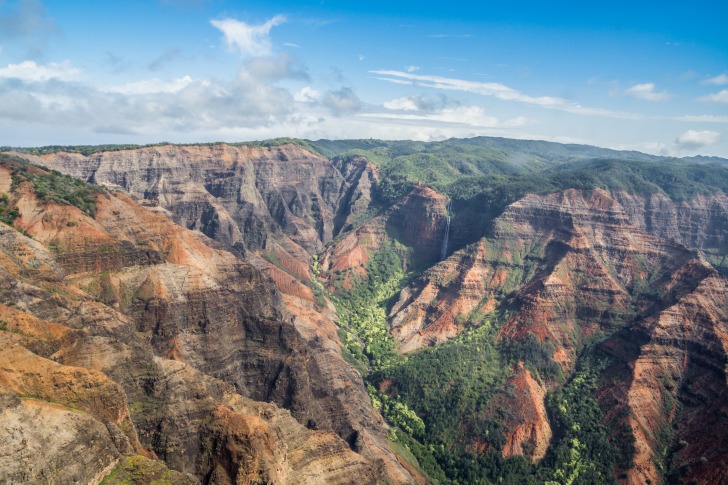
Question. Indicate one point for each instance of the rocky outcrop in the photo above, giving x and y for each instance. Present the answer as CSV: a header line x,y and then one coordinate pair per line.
x,y
572,264
44,442
699,223
418,222
415,225
672,369
569,267
522,414
239,195
162,350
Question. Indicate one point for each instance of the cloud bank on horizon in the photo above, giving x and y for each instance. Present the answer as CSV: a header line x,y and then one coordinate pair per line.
x,y
197,71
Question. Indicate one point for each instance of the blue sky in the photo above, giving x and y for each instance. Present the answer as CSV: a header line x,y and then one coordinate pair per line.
x,y
628,75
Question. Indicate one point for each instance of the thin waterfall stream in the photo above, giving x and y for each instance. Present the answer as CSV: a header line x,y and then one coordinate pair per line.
x,y
443,253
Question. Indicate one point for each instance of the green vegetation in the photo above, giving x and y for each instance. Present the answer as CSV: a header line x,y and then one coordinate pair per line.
x,y
63,189
449,386
437,399
138,470
8,214
583,451
49,186
87,150
537,356
362,310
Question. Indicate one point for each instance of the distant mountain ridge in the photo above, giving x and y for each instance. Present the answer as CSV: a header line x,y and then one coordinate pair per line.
x,y
332,148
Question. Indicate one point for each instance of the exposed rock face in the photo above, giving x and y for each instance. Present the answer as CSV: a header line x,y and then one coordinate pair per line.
x,y
281,203
236,194
673,365
571,263
700,223
563,268
697,223
178,337
524,418
42,442
417,223
164,355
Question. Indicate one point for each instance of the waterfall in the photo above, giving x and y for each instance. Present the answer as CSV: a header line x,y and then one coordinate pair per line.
x,y
443,253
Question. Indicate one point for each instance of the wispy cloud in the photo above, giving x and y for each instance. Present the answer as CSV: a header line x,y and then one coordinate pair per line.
x,y
497,90
32,71
719,97
413,68
701,118
283,66
247,39
647,92
718,80
472,116
307,95
694,140
421,103
151,86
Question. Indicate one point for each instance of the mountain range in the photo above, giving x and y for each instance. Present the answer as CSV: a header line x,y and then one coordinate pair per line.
x,y
478,310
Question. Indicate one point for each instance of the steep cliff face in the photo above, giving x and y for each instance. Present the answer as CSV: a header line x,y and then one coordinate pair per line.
x,y
570,264
699,223
415,225
567,269
156,353
187,311
672,369
182,336
236,194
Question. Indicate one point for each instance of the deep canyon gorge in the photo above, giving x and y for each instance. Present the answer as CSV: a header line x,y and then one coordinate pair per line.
x,y
467,311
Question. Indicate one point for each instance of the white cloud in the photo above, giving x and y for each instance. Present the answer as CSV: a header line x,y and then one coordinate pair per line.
x,y
406,103
251,100
413,68
497,90
253,40
693,140
307,95
284,66
421,103
31,71
341,102
151,86
647,92
718,80
719,97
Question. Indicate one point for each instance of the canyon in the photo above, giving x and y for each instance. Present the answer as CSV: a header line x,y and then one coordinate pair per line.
x,y
270,313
